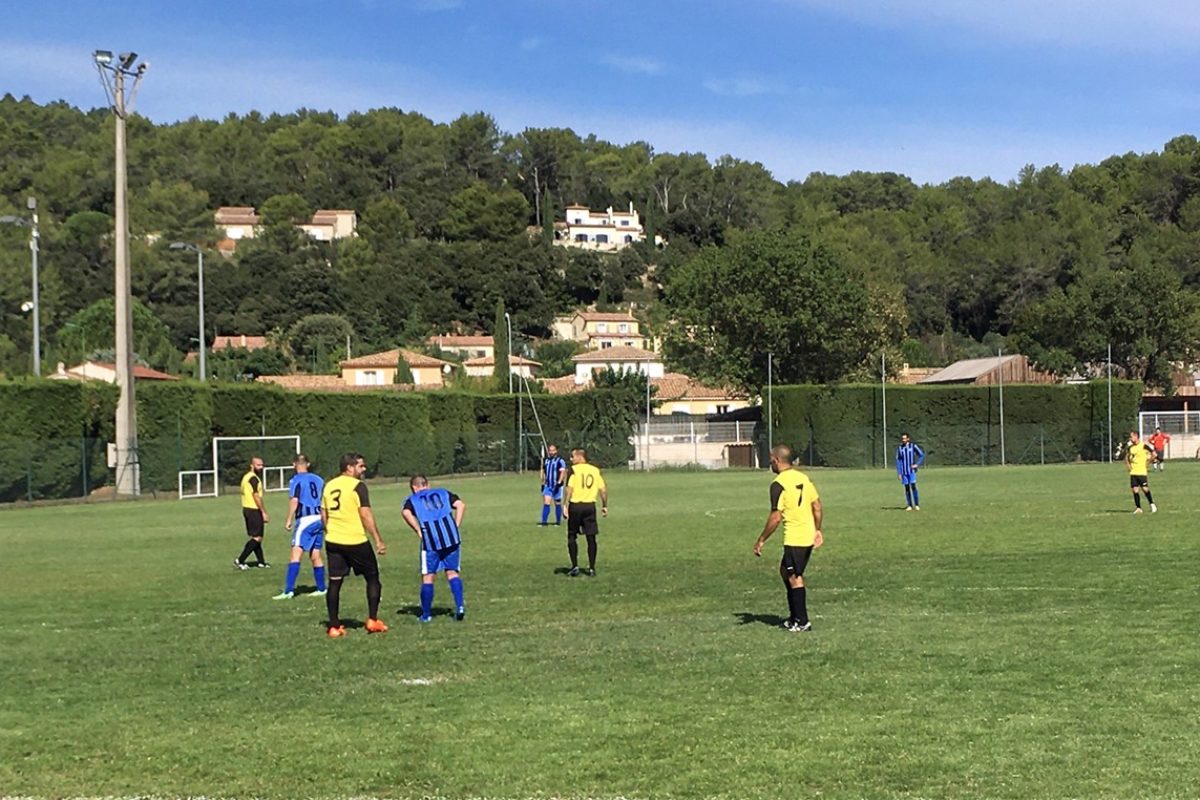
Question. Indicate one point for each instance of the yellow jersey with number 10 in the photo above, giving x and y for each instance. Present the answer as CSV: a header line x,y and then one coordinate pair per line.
x,y
585,482
793,495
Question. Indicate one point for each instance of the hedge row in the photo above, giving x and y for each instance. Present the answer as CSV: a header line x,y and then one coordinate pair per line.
x,y
842,425
53,434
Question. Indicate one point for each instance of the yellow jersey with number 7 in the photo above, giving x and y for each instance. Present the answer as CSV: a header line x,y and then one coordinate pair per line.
x,y
793,495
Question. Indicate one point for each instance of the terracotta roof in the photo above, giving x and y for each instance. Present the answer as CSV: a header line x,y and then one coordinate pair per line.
x,y
448,340
139,372
615,354
236,215
332,383
564,385
239,340
607,316
677,386
488,361
389,358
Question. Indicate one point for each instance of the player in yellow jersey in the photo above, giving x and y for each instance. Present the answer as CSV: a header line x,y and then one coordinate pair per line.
x,y
1138,457
584,485
254,515
796,503
346,513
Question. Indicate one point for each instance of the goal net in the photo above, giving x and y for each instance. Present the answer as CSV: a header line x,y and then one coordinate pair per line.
x,y
230,457
1182,426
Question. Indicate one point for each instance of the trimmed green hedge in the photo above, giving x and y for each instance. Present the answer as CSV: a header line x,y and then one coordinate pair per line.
x,y
842,425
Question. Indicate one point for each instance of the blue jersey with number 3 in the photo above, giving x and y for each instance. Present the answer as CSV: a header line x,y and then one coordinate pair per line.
x,y
306,488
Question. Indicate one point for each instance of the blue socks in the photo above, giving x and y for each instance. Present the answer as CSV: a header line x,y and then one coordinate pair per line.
x,y
456,588
558,513
545,514
426,599
293,572
319,576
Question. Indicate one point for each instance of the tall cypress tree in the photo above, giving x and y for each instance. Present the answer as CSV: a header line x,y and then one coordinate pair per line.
x,y
548,218
500,337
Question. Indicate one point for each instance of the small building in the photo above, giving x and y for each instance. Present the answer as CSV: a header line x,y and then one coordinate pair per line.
x,y
237,222
617,359
328,224
238,341
107,372
485,367
606,230
465,347
377,369
987,371
596,330
677,393
243,222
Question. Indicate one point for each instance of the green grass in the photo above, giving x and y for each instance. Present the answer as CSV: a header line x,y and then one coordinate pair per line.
x,y
1023,636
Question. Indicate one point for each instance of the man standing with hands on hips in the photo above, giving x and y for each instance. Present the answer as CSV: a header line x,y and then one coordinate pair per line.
x,y
909,457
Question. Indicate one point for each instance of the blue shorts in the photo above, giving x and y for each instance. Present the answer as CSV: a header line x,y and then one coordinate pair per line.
x,y
550,491
434,561
909,478
308,533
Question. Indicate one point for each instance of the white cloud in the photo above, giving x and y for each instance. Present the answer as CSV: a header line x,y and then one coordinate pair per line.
x,y
634,65
743,87
1123,24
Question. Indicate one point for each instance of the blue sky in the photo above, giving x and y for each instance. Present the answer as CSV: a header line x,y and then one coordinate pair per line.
x,y
928,88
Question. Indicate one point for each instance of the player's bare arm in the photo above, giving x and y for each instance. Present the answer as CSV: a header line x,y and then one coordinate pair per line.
x,y
604,502
818,517
258,502
411,519
460,508
567,501
293,504
368,520
773,520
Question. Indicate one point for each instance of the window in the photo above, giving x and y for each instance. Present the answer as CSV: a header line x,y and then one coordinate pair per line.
x,y
605,345
723,409
369,377
601,238
581,237
601,327
481,353
579,220
623,327
628,239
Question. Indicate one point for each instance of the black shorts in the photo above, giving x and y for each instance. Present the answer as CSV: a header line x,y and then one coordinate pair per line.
x,y
254,521
1158,455
581,518
1139,480
345,557
795,559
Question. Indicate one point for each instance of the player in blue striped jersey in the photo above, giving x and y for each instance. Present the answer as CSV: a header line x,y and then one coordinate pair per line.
x,y
909,457
435,515
554,478
304,521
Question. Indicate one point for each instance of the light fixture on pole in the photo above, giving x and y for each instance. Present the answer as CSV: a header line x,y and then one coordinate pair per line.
x,y
112,76
508,327
35,304
191,248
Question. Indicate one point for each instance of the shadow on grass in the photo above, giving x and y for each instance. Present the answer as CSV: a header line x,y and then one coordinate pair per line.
x,y
747,618
565,570
415,611
348,624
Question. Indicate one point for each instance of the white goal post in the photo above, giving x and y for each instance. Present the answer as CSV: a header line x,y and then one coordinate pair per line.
x,y
1182,426
207,482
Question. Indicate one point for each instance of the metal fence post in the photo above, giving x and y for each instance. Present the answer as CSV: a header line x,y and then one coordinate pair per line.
x,y
83,464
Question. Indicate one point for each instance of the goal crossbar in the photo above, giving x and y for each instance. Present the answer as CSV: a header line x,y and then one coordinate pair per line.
x,y
275,476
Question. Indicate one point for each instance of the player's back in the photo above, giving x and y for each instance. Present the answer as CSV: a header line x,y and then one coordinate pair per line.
x,y
434,510
586,483
306,488
793,495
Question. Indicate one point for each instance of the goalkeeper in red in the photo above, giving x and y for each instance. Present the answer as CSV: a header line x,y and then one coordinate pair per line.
x,y
796,503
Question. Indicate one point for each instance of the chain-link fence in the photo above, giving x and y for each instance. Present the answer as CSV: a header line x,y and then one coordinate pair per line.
x,y
66,468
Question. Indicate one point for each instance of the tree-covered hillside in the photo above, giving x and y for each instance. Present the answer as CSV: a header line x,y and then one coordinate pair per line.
x,y
1054,263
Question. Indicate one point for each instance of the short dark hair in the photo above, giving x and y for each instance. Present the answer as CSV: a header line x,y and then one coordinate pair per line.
x,y
783,452
300,459
581,450
348,460
417,480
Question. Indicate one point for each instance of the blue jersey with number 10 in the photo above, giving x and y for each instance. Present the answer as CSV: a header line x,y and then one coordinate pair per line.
x,y
434,509
306,488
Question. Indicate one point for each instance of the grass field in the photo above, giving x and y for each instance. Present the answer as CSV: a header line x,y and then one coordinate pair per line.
x,y
1023,636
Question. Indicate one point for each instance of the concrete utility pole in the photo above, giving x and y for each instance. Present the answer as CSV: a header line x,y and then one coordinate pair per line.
x,y
128,477
191,248
35,304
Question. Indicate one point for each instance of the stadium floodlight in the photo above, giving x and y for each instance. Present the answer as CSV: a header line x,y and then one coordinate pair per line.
x,y
191,248
103,57
127,60
34,304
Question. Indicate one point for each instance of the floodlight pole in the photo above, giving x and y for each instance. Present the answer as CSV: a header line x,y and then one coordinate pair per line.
x,y
128,479
200,279
508,366
1000,380
883,389
1110,435
770,406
